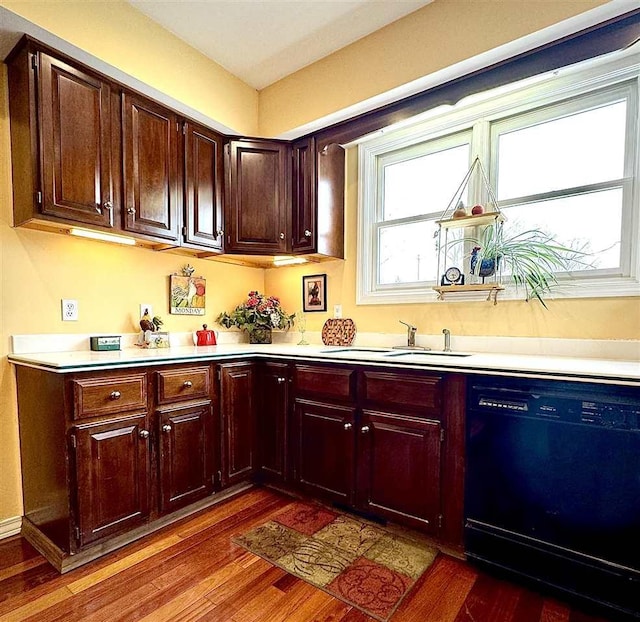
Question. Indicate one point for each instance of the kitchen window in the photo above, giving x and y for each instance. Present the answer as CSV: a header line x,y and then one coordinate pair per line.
x,y
561,153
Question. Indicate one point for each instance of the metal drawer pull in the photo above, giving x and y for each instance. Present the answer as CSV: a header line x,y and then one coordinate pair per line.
x,y
281,380
282,236
187,384
166,428
364,429
107,205
143,434
115,395
131,210
347,426
307,233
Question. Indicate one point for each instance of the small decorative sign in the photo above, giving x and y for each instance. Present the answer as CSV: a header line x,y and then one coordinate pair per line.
x,y
187,293
314,293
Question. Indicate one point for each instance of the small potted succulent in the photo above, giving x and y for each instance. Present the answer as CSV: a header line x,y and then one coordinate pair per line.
x,y
258,315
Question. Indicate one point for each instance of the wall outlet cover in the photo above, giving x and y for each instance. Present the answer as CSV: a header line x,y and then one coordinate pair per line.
x,y
69,310
337,311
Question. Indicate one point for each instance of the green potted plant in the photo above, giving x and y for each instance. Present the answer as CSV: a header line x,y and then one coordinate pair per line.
x,y
531,257
258,315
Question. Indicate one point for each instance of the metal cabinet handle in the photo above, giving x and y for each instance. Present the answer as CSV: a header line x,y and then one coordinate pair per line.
x,y
131,210
281,236
115,395
220,233
166,428
143,434
307,233
187,384
347,426
364,429
281,380
107,205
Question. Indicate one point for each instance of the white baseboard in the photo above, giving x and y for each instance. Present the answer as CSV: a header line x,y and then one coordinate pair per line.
x,y
10,527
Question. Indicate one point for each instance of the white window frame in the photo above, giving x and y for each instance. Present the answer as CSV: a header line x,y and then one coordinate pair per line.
x,y
486,113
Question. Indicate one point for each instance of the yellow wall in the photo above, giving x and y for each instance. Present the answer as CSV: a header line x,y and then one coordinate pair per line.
x,y
38,269
116,33
434,37
605,318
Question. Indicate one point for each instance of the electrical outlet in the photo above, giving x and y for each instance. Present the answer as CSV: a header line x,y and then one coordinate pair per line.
x,y
337,311
69,310
147,308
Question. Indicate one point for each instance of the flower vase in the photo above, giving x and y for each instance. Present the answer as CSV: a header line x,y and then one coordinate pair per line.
x,y
260,335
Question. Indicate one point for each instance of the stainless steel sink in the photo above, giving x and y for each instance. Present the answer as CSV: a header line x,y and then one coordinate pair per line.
x,y
355,350
430,353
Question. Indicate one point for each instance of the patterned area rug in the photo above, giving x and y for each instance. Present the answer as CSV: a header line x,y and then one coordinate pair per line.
x,y
358,562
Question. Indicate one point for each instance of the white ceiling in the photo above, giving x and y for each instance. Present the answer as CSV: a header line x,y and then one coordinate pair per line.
x,y
261,41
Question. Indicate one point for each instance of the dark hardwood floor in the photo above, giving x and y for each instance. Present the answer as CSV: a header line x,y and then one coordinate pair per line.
x,y
192,571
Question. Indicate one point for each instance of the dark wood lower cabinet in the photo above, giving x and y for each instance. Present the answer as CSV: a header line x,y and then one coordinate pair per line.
x,y
186,460
112,472
325,449
237,382
400,461
272,422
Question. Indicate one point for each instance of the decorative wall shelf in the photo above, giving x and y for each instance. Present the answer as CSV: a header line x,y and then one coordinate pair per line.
x,y
487,291
463,272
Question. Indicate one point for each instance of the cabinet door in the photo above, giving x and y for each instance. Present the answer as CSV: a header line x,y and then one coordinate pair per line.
x,y
399,468
76,144
238,421
112,470
272,423
258,201
150,161
324,450
204,174
186,456
303,197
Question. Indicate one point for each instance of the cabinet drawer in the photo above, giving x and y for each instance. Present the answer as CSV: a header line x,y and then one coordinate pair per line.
x,y
93,397
324,381
183,384
401,392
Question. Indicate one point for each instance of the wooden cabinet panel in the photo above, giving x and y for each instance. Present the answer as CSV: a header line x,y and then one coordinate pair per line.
x,y
258,201
177,385
185,456
303,197
324,382
401,392
150,164
330,182
238,421
272,420
324,447
76,144
204,182
400,468
104,395
112,471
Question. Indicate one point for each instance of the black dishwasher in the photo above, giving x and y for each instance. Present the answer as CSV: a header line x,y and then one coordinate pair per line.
x,y
553,485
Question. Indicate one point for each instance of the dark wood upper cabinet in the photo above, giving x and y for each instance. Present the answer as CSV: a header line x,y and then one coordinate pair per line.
x,y
150,165
203,187
258,198
303,197
329,209
76,143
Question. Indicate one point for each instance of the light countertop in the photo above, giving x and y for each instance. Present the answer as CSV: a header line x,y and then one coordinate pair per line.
x,y
559,367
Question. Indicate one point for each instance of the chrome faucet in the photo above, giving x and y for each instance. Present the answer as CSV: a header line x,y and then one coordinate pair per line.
x,y
411,338
447,339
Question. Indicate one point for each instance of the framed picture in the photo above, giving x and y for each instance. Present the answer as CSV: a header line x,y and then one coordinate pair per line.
x,y
187,295
314,293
